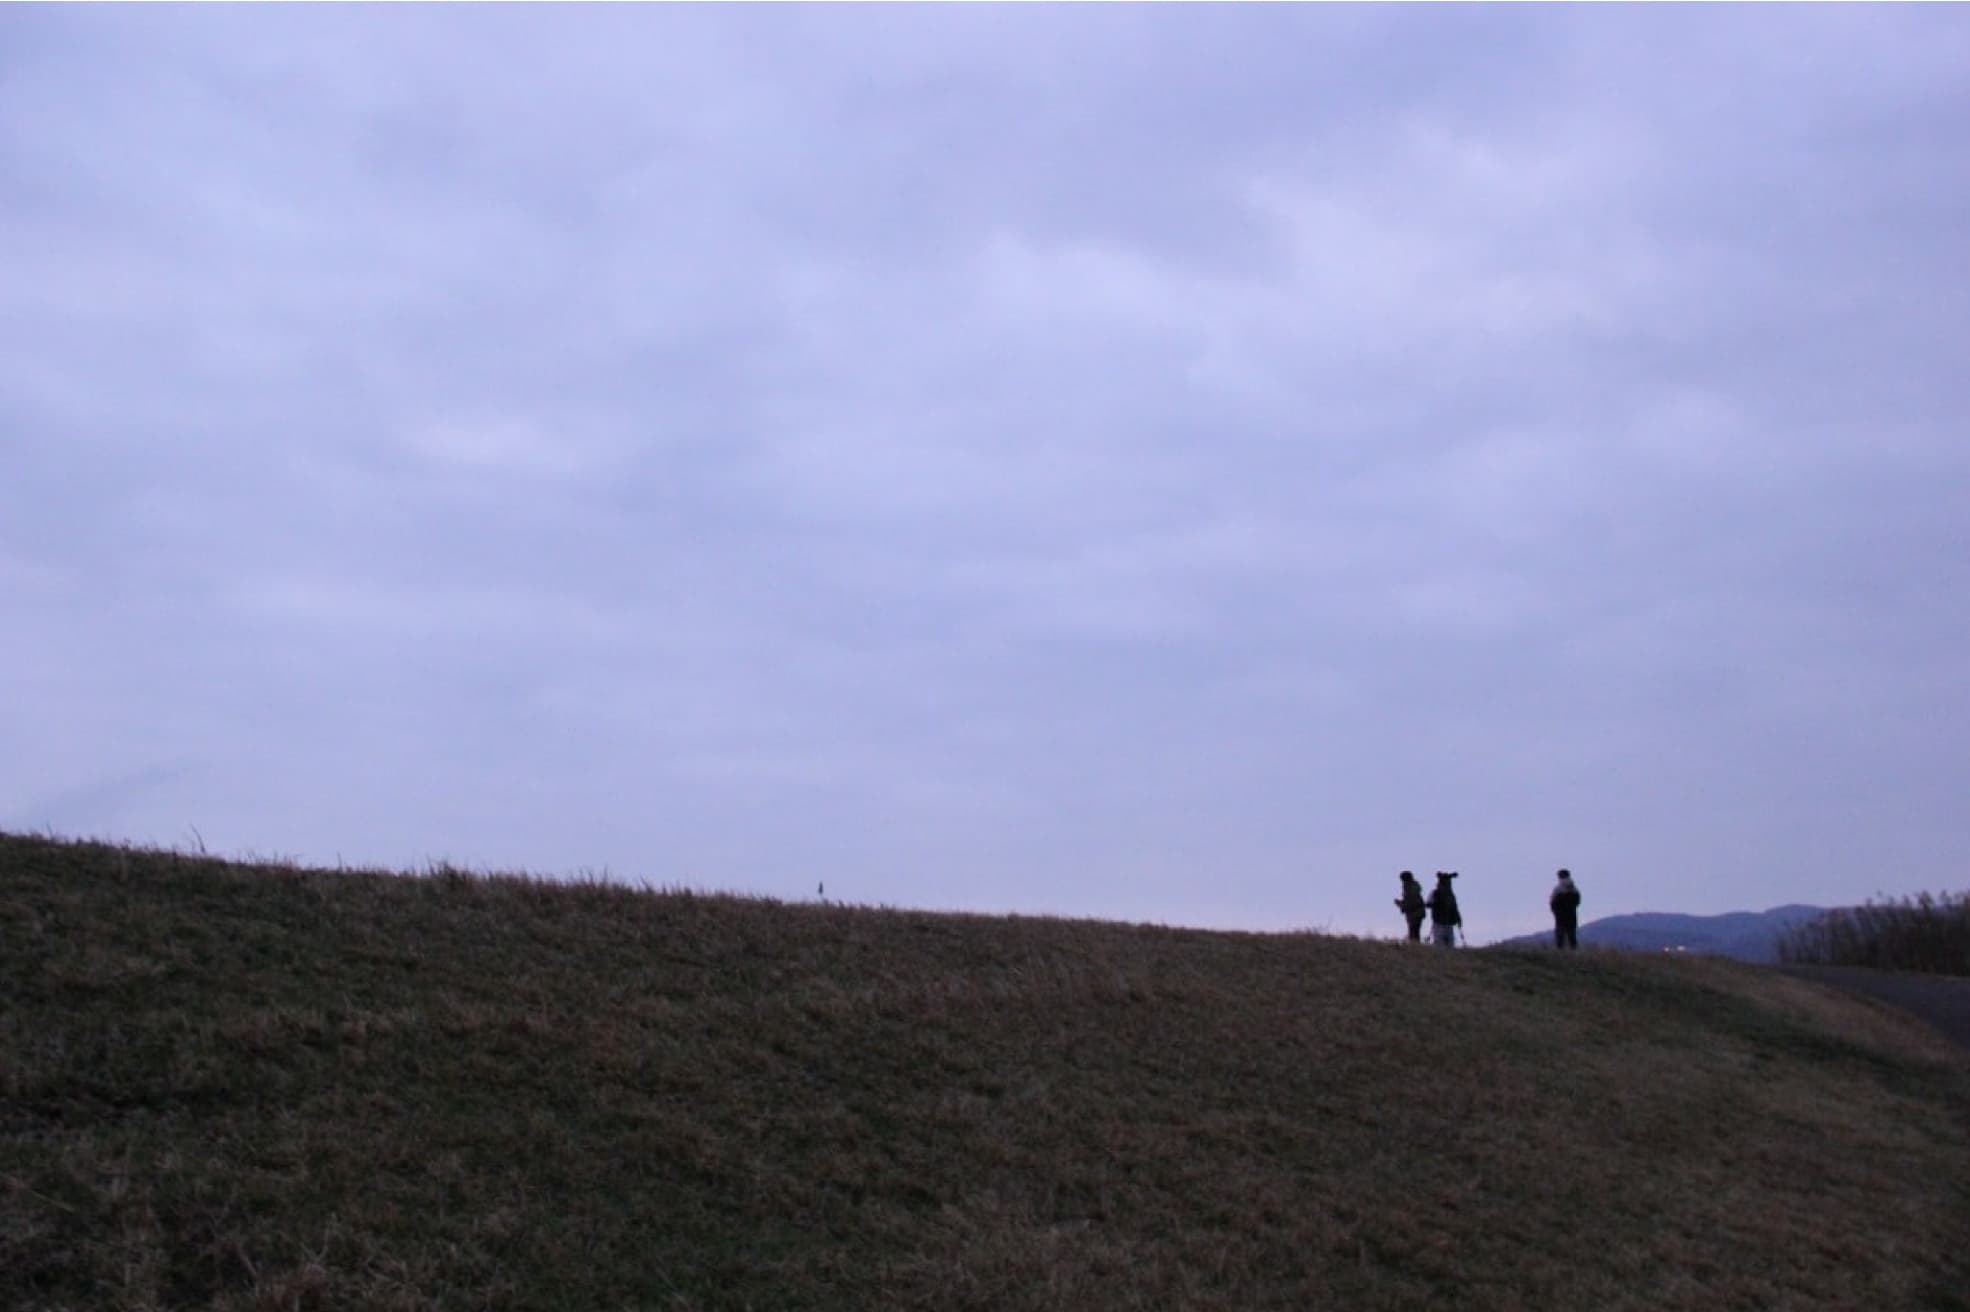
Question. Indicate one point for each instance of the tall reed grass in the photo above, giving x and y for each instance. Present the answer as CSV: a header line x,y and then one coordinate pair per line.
x,y
1927,932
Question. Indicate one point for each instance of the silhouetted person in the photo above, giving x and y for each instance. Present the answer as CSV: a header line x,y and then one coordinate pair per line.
x,y
1444,916
1565,903
1412,906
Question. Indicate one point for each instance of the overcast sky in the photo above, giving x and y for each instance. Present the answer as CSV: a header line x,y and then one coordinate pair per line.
x,y
1159,464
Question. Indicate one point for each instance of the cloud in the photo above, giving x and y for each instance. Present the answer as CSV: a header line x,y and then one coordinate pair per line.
x,y
1163,463
93,807
512,445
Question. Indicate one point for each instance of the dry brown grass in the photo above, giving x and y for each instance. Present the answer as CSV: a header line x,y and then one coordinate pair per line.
x,y
263,1088
1929,932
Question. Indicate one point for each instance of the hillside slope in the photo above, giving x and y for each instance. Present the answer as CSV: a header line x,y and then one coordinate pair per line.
x,y
235,1087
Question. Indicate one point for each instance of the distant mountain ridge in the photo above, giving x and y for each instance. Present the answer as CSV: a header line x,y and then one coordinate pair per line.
x,y
1745,935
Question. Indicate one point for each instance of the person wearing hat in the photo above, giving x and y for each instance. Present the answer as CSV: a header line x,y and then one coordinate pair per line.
x,y
1445,918
1412,906
1565,903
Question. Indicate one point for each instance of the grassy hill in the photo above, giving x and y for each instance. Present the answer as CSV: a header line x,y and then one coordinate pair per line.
x,y
225,1086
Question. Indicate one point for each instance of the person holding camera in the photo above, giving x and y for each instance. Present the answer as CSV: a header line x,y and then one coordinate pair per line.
x,y
1412,906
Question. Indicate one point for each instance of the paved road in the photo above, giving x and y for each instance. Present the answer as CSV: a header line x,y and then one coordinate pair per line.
x,y
1941,1000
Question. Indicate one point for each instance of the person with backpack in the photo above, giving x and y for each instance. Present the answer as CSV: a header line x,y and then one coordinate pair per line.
x,y
1565,903
1412,906
1445,918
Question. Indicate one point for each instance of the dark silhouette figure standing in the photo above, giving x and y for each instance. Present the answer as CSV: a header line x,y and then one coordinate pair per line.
x,y
1565,903
1445,918
1412,906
